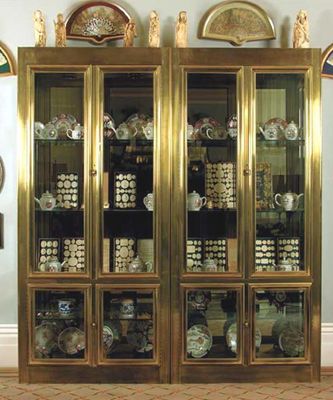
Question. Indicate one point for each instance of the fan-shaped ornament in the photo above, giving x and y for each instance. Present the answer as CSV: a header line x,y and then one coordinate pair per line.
x,y
6,62
97,22
236,22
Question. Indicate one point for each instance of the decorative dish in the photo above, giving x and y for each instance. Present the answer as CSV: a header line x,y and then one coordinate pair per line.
x,y
45,338
111,335
199,341
71,340
63,122
291,341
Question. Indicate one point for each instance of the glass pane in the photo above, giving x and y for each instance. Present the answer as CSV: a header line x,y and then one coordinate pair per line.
x,y
211,174
128,324
128,173
59,172
59,330
279,323
212,324
280,172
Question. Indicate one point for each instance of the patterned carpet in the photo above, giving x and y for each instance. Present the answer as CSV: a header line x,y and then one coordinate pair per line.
x,y
10,389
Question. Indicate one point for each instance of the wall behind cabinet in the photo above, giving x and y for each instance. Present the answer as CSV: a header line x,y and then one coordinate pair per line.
x,y
16,29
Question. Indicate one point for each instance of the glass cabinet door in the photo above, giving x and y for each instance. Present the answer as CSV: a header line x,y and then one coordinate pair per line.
x,y
212,137
59,135
280,172
128,198
59,325
280,323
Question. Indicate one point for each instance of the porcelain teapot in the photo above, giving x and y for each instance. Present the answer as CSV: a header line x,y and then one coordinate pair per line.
x,y
285,265
291,131
76,133
47,201
289,201
54,265
195,202
271,131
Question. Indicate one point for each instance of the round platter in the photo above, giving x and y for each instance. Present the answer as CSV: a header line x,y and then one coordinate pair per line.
x,y
71,340
111,335
45,338
199,341
291,342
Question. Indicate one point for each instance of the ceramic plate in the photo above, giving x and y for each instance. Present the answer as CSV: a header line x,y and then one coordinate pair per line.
x,y
140,334
291,342
111,335
199,341
62,123
71,340
45,338
209,128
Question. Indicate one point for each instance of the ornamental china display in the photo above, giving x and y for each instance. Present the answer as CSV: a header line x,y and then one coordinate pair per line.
x,y
75,133
127,309
148,201
71,340
66,307
47,201
289,201
54,265
199,341
45,339
50,132
273,129
209,265
208,128
291,131
136,265
195,202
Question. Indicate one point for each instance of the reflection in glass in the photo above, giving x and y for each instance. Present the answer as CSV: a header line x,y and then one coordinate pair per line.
x,y
59,325
128,324
212,324
128,173
59,170
280,321
280,172
211,175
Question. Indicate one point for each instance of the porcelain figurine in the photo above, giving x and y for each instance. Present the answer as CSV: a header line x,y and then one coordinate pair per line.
x,y
195,202
301,37
289,201
76,133
154,29
39,27
291,132
47,201
60,31
130,33
181,30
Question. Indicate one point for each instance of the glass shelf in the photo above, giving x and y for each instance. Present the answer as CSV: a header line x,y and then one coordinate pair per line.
x,y
128,142
59,141
212,143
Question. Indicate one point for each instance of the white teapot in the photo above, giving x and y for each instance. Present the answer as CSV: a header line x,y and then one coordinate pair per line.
x,y
291,131
47,201
289,201
76,133
195,202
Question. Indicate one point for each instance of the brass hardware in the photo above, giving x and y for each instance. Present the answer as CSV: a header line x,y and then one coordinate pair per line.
x,y
247,171
93,172
93,324
246,324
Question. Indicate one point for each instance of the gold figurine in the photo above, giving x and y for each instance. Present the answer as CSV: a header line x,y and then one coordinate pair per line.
x,y
60,31
301,37
181,30
129,34
154,29
39,26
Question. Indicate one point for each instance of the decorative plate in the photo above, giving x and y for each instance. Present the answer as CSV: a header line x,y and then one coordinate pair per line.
x,y
111,335
199,341
291,342
136,122
45,338
71,340
109,126
209,128
140,334
63,122
97,22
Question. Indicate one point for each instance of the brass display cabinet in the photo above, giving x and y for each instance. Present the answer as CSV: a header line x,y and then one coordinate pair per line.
x,y
169,215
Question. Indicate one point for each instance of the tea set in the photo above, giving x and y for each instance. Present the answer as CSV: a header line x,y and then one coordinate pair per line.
x,y
47,202
195,202
139,126
288,201
211,128
61,126
138,265
278,128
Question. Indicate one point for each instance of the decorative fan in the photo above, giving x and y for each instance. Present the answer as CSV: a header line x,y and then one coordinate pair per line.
x,y
97,22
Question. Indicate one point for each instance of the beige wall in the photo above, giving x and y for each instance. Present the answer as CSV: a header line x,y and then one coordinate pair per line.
x,y
16,30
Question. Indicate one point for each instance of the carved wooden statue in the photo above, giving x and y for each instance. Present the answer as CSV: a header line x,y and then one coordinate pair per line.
x,y
181,30
154,29
301,37
40,31
129,34
60,31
